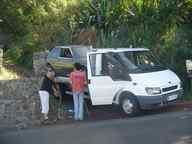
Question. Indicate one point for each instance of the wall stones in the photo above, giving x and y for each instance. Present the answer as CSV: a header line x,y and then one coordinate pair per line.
x,y
39,63
19,98
19,102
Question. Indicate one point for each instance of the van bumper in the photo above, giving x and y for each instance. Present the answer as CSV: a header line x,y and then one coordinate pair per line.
x,y
151,102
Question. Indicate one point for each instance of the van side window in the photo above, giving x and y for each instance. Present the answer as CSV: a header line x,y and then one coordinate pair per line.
x,y
112,66
65,53
96,64
108,64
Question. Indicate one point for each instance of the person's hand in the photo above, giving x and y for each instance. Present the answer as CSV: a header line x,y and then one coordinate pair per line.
x,y
85,83
56,80
56,93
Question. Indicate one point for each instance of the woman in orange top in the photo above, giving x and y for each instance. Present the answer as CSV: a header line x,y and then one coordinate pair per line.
x,y
78,82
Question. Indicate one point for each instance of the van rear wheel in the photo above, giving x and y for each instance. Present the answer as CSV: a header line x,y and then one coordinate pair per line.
x,y
129,106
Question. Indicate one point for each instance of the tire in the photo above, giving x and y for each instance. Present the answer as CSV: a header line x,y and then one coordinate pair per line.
x,y
129,106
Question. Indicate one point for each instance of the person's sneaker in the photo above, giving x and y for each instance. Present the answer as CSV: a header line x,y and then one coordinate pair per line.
x,y
43,118
46,118
70,111
76,119
44,121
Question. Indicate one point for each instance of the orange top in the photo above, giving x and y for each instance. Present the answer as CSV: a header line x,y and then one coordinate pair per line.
x,y
78,81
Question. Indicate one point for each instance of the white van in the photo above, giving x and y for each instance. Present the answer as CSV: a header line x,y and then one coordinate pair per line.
x,y
131,78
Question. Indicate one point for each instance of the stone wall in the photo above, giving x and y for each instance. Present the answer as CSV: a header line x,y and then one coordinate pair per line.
x,y
19,98
19,102
39,63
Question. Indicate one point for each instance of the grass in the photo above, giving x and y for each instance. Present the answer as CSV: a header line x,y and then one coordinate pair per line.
x,y
6,74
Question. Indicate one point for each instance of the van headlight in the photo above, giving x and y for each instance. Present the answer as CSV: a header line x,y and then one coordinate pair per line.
x,y
153,90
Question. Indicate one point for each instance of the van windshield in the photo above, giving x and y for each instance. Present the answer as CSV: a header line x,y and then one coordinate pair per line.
x,y
134,62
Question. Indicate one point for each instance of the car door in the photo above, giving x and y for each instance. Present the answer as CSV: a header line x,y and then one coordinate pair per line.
x,y
101,86
65,58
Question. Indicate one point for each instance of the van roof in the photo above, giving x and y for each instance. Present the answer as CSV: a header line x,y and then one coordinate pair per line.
x,y
101,50
73,46
106,50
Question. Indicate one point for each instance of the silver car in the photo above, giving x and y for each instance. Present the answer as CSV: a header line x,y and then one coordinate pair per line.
x,y
62,58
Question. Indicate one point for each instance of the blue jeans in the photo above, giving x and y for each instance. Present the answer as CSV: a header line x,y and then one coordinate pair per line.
x,y
78,105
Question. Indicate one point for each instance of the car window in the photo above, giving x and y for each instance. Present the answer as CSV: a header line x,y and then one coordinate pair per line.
x,y
65,53
54,53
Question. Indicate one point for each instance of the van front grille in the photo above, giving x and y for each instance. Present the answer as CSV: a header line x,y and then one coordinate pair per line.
x,y
169,88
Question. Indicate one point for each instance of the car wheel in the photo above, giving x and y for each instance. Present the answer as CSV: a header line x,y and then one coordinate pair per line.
x,y
129,106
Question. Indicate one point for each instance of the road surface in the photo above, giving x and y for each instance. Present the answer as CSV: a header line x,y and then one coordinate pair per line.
x,y
164,128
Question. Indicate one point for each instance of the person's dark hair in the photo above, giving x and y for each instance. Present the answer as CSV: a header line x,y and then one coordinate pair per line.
x,y
77,66
49,67
83,68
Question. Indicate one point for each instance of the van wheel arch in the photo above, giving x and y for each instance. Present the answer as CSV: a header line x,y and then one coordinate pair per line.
x,y
125,94
127,99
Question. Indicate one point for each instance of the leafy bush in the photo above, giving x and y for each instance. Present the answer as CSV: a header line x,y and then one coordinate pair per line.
x,y
13,54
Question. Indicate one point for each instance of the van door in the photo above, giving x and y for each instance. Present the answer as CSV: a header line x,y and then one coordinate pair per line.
x,y
101,86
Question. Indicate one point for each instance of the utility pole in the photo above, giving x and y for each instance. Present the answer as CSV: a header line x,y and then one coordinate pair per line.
x,y
1,58
1,53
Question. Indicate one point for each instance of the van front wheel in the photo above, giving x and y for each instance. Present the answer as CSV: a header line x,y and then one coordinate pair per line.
x,y
129,105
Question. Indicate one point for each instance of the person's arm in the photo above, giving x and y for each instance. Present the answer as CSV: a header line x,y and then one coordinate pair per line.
x,y
71,78
55,86
56,90
85,79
